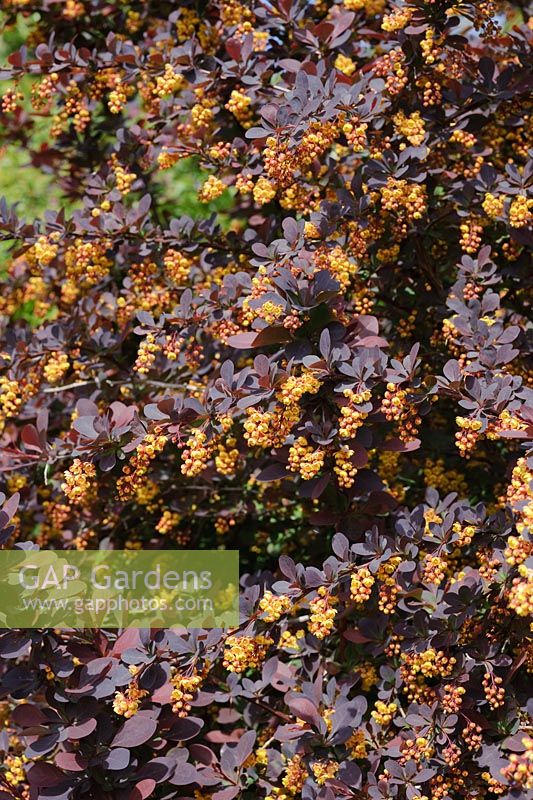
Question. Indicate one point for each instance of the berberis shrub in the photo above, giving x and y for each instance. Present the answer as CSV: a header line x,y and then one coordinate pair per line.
x,y
320,359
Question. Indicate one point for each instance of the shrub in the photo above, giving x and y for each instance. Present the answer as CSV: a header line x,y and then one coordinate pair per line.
x,y
321,359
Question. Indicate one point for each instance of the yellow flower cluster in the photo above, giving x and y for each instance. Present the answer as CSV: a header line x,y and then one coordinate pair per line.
x,y
169,82
520,768
398,409
290,641
322,614
345,65
520,494
384,713
196,454
430,664
521,593
146,355
493,205
344,469
468,434
296,386
45,249
212,188
117,99
184,689
520,212
355,133
56,367
295,775
398,194
398,20
227,457
361,583
239,105
86,262
338,262
470,236
357,745
270,311
123,178
245,652
412,127
134,472
453,697
270,428
264,191
202,113
428,47
15,773
494,690
434,570
274,606
324,771
78,480
303,458
126,704
518,550
466,533
177,266
351,418
168,521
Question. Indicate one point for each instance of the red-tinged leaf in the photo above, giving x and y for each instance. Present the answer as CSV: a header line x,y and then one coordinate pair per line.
x,y
274,472
287,567
202,754
27,715
242,341
129,639
340,545
186,728
81,730
262,365
184,775
72,762
256,133
276,334
515,743
372,341
245,745
398,446
323,518
10,506
315,487
227,794
368,325
85,426
163,694
515,434
15,59
234,48
305,709
136,731
117,759
354,635
143,789
30,437
221,737
287,733
43,775
12,645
